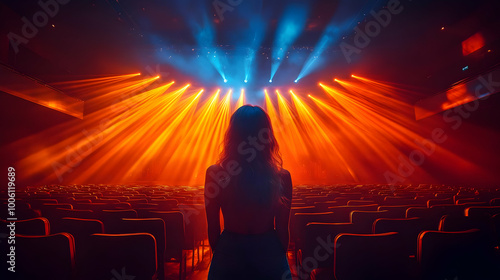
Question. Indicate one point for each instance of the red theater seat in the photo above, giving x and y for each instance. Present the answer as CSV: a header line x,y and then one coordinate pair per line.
x,y
74,213
35,226
438,201
45,257
119,256
342,214
175,237
364,220
396,211
482,211
112,217
318,240
454,255
408,230
153,226
369,256
462,223
495,202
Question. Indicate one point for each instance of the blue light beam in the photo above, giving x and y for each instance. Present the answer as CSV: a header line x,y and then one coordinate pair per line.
x,y
290,27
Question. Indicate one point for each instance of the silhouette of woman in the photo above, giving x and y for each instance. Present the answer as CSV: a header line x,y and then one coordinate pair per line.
x,y
254,193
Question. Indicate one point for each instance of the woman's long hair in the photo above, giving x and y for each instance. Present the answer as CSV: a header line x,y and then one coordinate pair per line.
x,y
250,145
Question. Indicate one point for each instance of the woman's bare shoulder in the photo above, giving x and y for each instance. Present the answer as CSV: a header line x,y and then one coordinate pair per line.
x,y
285,174
214,168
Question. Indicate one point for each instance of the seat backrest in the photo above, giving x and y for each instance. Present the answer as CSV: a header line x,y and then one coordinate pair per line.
x,y
392,200
495,202
364,219
73,213
482,211
45,257
81,227
462,223
366,256
342,214
35,226
302,219
323,205
114,255
408,230
451,255
495,222
410,225
319,239
396,211
360,202
431,215
450,209
437,201
174,231
153,226
36,203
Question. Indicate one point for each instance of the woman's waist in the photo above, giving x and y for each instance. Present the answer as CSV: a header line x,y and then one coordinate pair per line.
x,y
249,233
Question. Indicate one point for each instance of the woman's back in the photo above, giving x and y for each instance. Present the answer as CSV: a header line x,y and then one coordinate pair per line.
x,y
243,215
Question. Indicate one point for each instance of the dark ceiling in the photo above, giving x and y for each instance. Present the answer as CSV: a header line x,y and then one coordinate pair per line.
x,y
90,37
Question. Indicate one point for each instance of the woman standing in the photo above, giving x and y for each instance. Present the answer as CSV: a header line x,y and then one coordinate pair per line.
x,y
254,193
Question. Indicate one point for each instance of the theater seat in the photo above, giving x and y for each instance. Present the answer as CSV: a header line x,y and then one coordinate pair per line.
x,y
110,218
154,226
45,257
73,213
439,201
482,211
363,220
342,214
175,237
495,222
495,202
302,219
395,211
35,226
408,230
317,238
461,223
453,255
367,256
430,215
119,256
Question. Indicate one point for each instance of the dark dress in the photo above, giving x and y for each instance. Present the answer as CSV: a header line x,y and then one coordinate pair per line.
x,y
249,256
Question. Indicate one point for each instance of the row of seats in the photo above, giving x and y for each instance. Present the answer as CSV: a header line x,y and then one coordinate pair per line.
x,y
84,211
367,232
397,216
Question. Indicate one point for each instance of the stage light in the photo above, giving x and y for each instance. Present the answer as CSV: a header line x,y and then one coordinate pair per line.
x,y
225,80
246,81
271,80
353,76
157,77
335,80
296,81
289,28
